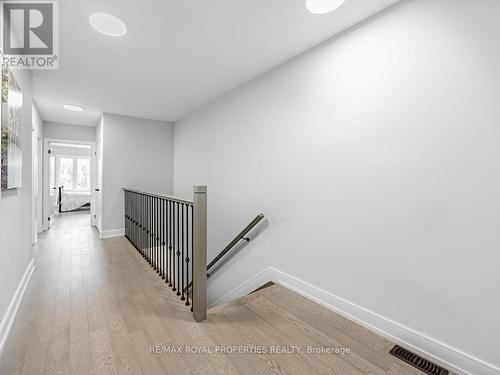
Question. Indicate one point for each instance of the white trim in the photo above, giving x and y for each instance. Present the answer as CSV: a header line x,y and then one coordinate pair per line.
x,y
34,186
10,314
111,233
442,353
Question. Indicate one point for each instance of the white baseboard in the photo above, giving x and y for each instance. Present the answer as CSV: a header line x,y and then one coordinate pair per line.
x,y
10,314
111,233
443,354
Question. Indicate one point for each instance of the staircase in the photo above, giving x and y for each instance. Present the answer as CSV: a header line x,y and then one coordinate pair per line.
x,y
270,331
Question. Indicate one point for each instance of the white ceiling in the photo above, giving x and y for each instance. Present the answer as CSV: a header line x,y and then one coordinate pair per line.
x,y
178,54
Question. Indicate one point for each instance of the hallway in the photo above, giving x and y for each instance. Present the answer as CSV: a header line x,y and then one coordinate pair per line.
x,y
95,307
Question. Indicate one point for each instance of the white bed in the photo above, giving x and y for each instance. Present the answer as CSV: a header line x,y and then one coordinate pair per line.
x,y
73,200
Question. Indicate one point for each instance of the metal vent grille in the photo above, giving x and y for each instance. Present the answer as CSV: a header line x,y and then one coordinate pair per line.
x,y
417,361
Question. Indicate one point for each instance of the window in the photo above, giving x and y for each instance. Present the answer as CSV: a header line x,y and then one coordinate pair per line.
x,y
73,172
83,174
66,173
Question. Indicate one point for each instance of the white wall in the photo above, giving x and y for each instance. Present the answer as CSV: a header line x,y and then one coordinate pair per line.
x,y
15,214
74,151
37,121
375,158
137,153
69,132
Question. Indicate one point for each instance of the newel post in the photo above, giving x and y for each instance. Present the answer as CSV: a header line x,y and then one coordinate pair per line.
x,y
200,253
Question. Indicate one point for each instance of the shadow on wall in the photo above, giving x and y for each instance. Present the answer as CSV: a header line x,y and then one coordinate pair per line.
x,y
241,245
8,193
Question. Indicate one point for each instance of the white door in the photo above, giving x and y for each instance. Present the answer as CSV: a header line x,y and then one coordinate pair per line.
x,y
98,185
53,191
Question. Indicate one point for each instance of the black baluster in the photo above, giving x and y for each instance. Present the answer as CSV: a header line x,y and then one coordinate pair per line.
x,y
162,223
147,233
128,215
178,253
134,222
187,255
167,202
145,220
170,247
147,247
137,233
157,268
183,231
176,239
136,217
151,231
151,250
134,208
125,210
169,243
153,237
192,244
137,211
139,222
140,219
132,231
144,234
157,237
140,248
139,208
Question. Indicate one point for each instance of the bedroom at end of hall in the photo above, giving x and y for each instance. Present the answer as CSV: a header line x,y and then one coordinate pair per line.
x,y
69,181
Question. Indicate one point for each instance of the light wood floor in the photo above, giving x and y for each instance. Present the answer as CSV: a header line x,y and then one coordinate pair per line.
x,y
95,307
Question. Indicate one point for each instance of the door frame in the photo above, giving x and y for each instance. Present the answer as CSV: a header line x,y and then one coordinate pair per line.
x,y
46,193
98,170
35,194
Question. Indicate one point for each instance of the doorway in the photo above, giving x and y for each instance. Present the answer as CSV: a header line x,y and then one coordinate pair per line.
x,y
69,180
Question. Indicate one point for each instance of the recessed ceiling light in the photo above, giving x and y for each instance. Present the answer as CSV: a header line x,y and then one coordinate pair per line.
x,y
72,107
108,24
323,6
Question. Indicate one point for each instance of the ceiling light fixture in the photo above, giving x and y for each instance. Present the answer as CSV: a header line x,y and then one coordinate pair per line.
x,y
72,107
108,24
323,6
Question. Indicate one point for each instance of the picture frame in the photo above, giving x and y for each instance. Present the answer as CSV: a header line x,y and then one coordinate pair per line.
x,y
11,131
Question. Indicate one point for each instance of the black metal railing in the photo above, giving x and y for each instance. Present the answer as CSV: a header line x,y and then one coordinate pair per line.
x,y
171,235
240,237
161,228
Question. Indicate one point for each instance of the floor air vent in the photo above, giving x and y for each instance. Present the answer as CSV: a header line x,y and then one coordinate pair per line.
x,y
417,361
